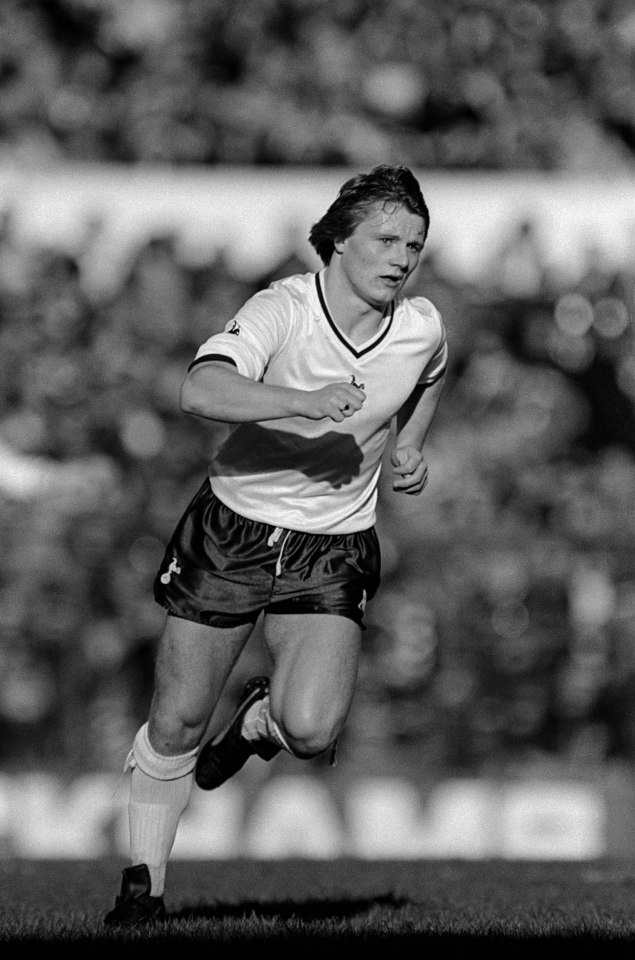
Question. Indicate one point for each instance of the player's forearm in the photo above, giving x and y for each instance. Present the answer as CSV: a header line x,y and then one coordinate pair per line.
x,y
416,416
216,391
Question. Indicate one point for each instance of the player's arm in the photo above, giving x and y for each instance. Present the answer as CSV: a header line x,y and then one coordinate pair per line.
x,y
410,470
216,390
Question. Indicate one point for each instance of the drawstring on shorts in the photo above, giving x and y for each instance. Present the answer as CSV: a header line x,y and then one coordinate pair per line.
x,y
273,539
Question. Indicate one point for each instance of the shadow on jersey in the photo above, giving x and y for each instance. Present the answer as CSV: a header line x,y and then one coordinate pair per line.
x,y
332,457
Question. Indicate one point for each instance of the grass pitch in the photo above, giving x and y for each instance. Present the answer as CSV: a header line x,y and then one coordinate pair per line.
x,y
302,908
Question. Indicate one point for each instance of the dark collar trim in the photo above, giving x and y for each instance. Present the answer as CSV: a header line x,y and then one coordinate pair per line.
x,y
340,336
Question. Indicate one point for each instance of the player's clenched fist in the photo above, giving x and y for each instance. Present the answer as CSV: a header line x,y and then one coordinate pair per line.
x,y
410,470
337,401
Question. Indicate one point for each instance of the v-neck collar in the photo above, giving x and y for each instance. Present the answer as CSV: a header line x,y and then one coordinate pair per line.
x,y
369,345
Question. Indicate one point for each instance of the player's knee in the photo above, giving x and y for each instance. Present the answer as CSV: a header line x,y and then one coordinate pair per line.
x,y
178,738
307,740
176,730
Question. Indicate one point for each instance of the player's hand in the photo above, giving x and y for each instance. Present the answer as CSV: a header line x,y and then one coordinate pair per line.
x,y
337,401
410,471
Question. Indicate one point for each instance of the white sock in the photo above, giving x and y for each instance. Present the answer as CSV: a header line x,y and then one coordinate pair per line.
x,y
160,789
154,811
258,724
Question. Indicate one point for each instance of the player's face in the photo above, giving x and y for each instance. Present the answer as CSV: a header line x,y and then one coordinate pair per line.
x,y
382,252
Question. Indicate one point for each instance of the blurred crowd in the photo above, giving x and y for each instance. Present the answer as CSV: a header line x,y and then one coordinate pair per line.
x,y
538,84
506,625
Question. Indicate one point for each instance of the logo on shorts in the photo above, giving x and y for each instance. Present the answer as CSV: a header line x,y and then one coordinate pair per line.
x,y
235,329
362,603
173,568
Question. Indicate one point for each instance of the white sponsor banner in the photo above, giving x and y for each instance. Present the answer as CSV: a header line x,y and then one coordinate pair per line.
x,y
296,816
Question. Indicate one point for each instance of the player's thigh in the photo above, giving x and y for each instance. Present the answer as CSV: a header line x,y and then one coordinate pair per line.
x,y
315,661
192,665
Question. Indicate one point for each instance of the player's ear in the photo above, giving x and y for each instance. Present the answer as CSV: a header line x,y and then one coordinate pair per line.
x,y
338,246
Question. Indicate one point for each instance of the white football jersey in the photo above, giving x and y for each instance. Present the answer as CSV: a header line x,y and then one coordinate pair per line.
x,y
318,476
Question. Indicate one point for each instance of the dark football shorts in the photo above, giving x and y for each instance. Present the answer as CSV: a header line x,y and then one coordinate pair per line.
x,y
222,569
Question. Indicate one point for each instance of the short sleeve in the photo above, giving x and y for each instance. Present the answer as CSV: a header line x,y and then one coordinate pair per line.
x,y
253,336
437,362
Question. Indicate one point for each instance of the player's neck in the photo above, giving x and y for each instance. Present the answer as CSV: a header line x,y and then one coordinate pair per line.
x,y
358,319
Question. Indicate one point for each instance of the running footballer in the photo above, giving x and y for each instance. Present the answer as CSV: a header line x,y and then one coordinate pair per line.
x,y
308,376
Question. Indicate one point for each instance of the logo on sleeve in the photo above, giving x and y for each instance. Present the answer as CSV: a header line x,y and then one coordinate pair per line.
x,y
235,329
